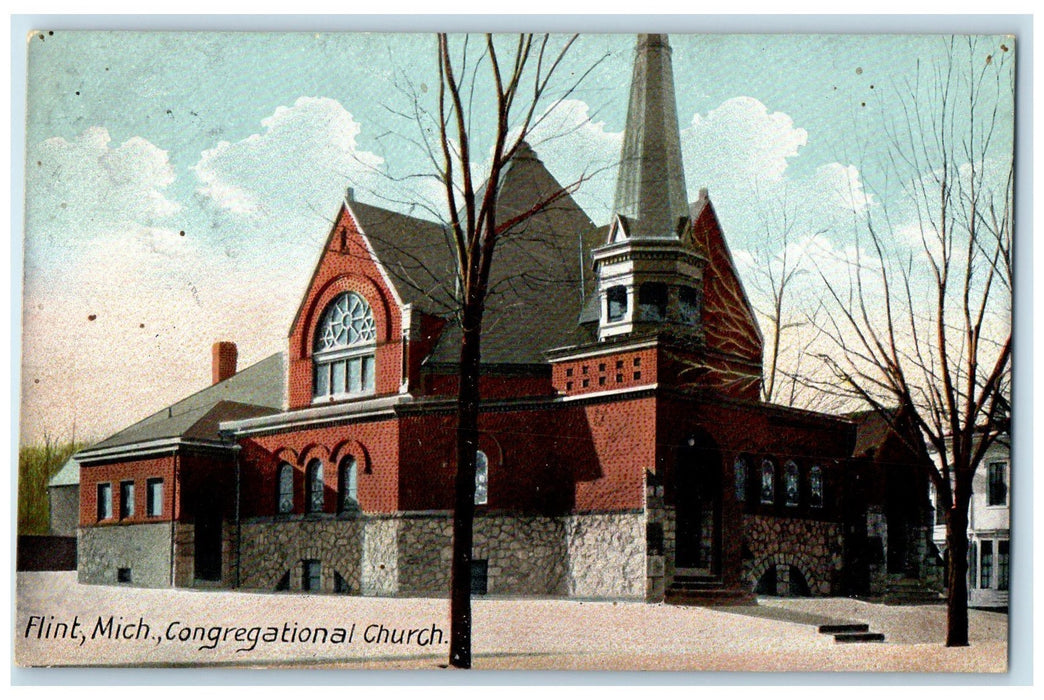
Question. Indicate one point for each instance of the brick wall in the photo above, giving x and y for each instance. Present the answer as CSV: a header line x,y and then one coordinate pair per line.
x,y
346,266
138,471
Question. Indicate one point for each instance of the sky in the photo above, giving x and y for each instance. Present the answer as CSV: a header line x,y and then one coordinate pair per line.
x,y
179,186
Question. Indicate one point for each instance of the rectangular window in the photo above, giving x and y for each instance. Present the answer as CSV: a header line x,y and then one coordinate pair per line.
x,y
104,501
337,370
997,487
479,576
367,373
986,564
154,498
322,380
123,575
1003,565
311,572
126,499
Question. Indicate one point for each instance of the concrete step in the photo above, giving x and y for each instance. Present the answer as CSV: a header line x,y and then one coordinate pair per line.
x,y
858,637
842,629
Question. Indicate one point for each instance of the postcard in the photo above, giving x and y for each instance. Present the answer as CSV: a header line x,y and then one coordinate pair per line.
x,y
511,351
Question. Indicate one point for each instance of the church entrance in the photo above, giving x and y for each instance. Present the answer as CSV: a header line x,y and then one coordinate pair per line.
x,y
208,545
698,503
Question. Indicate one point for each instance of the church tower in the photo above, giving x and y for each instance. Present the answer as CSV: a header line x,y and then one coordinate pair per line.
x,y
649,273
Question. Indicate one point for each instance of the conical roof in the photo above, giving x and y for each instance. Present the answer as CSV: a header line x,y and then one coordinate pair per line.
x,y
650,187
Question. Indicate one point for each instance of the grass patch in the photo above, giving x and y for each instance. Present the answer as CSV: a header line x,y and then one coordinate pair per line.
x,y
36,465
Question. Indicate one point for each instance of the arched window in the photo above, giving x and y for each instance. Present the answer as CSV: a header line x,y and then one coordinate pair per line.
x,y
792,484
652,301
314,492
345,344
739,468
815,487
768,482
481,478
285,495
348,486
616,302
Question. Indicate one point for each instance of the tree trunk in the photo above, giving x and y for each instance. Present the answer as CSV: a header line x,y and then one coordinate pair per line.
x,y
957,576
464,491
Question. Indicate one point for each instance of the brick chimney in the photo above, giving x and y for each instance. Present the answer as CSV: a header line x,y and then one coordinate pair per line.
x,y
224,360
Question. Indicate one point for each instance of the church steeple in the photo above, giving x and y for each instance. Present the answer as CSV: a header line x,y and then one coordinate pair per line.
x,y
650,277
650,200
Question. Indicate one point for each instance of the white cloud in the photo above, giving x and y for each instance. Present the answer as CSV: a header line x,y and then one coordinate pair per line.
x,y
77,189
299,165
739,145
575,145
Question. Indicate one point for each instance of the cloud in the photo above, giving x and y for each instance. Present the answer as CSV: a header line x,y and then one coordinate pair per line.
x,y
739,145
564,132
80,188
300,164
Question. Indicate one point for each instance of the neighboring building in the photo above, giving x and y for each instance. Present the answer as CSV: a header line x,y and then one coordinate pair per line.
x,y
989,527
63,493
624,451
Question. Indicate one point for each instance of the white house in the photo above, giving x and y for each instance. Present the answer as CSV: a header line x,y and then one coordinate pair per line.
x,y
989,533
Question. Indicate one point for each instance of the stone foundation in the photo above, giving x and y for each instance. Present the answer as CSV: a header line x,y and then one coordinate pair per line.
x,y
813,547
143,551
591,555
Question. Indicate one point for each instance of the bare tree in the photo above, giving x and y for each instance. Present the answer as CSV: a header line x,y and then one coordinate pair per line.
x,y
519,78
776,266
922,323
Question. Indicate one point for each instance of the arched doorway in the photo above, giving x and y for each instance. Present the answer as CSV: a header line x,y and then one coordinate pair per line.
x,y
698,502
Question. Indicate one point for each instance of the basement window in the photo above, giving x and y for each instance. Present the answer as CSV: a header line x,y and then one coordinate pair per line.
x,y
123,575
311,575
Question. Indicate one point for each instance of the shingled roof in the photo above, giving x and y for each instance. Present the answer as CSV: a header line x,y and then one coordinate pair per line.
x,y
417,254
255,391
535,290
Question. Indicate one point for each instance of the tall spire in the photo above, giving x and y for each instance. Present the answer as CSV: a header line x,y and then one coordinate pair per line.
x,y
650,189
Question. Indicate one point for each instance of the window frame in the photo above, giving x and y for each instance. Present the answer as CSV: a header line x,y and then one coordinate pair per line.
x,y
154,500
791,477
481,478
996,488
315,487
348,485
986,564
285,489
332,364
652,302
1003,565
311,569
126,499
740,478
816,487
104,503
768,468
617,294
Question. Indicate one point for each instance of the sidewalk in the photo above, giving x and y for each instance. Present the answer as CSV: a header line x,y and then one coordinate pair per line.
x,y
168,628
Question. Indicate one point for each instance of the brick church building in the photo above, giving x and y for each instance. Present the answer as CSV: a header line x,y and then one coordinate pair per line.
x,y
625,450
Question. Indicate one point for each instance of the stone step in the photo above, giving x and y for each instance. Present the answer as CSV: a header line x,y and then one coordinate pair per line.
x,y
681,578
709,597
696,585
858,637
843,628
